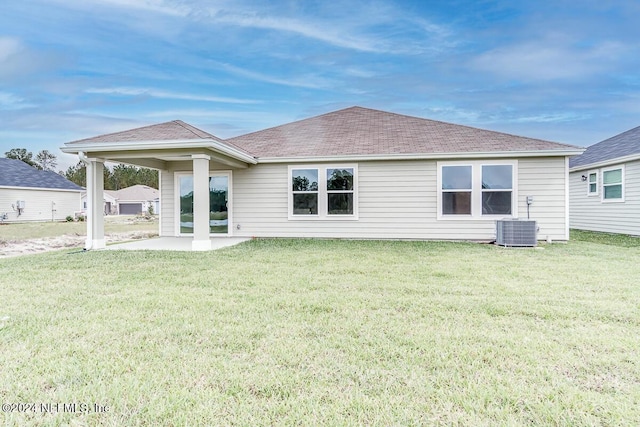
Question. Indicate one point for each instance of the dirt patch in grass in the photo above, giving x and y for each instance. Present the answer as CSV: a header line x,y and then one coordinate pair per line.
x,y
11,248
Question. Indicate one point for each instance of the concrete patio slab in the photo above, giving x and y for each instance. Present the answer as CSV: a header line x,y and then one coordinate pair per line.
x,y
173,244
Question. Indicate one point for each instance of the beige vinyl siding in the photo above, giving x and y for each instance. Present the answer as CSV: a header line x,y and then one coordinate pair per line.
x,y
545,180
396,199
167,204
39,204
590,213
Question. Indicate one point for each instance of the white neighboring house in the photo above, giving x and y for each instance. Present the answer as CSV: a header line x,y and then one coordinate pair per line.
x,y
132,200
605,186
29,194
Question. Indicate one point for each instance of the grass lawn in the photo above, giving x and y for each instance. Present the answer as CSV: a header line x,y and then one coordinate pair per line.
x,y
325,332
36,230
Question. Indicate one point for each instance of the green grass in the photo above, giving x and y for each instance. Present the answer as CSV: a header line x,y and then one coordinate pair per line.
x,y
325,332
621,240
36,230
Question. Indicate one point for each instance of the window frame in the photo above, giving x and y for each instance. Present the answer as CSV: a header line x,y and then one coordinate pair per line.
x,y
323,193
596,182
621,184
477,190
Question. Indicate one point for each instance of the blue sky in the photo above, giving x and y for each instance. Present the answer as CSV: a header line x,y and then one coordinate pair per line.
x,y
566,71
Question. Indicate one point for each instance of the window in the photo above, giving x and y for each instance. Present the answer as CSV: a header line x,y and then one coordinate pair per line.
x,y
304,185
497,183
456,190
612,184
340,191
323,192
476,189
592,180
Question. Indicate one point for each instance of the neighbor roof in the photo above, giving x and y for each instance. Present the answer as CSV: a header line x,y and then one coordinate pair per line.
x,y
363,131
16,173
622,145
136,192
169,131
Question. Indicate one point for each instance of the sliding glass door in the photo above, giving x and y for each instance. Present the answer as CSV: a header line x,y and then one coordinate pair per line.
x,y
218,203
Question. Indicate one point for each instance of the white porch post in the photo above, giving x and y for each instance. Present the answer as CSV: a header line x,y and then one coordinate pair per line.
x,y
95,204
201,240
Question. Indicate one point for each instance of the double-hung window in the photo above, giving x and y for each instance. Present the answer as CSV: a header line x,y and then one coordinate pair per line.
x,y
323,192
592,181
613,184
476,189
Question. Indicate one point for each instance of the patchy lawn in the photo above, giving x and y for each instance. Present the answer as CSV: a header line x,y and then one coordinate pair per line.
x,y
35,237
324,332
38,230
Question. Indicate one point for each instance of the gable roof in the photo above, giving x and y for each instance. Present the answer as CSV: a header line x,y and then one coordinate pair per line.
x,y
16,173
169,131
136,192
358,131
620,146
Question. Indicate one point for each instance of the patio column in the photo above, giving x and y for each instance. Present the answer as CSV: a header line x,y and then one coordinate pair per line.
x,y
95,204
201,240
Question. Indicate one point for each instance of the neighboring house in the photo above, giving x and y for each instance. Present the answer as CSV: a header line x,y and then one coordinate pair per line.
x,y
353,173
132,200
110,202
29,194
605,186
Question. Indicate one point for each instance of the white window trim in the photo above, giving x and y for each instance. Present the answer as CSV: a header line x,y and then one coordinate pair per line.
x,y
176,200
323,208
476,190
612,168
597,192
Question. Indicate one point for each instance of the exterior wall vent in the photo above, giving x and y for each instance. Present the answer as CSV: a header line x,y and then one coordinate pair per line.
x,y
516,232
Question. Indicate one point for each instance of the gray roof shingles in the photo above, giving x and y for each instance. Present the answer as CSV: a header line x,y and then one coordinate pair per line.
x,y
351,131
174,130
622,145
363,131
16,173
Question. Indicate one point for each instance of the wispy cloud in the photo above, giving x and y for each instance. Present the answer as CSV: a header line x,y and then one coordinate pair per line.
x,y
550,59
155,93
9,101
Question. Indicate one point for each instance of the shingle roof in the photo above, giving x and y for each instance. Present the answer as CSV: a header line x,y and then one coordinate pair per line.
x,y
621,145
363,131
175,130
16,173
136,192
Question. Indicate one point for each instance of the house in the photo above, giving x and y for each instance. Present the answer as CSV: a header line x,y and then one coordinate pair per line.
x,y
132,200
605,186
353,173
29,194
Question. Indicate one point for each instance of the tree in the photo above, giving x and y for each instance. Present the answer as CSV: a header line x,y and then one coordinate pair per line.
x,y
77,174
46,160
21,154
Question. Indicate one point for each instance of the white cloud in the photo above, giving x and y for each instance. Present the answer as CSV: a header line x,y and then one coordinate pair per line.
x,y
306,81
8,47
9,101
549,59
133,91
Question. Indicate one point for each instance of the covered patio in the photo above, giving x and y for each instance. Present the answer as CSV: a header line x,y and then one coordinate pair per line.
x,y
194,167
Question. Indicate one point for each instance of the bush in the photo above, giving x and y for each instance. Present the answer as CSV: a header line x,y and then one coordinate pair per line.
x,y
69,218
81,218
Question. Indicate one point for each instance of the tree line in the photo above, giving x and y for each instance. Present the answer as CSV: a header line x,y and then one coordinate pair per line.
x,y
115,178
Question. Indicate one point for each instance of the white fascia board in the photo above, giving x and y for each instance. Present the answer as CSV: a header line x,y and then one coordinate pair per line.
x,y
173,144
424,156
68,190
604,163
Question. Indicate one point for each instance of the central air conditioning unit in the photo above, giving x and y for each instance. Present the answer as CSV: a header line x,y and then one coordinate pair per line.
x,y
516,232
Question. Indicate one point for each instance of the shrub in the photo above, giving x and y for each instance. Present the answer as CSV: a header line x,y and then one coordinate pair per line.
x,y
69,218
